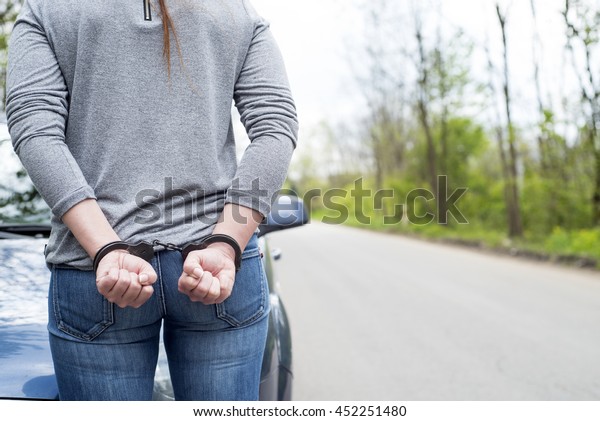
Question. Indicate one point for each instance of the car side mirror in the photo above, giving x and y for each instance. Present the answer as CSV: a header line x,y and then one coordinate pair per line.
x,y
288,211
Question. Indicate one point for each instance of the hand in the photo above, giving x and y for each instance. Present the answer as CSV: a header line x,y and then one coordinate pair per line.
x,y
125,279
208,275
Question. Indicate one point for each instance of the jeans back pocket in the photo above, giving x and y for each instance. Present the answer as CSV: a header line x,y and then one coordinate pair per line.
x,y
79,309
249,299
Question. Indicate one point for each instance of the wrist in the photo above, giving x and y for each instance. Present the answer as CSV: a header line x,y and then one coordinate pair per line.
x,y
106,249
225,243
142,250
223,248
115,252
99,247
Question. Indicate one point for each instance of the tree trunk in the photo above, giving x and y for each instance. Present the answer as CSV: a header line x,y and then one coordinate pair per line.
x,y
424,114
591,94
515,226
596,198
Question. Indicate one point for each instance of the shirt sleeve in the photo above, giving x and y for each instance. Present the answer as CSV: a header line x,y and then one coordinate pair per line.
x,y
264,100
37,111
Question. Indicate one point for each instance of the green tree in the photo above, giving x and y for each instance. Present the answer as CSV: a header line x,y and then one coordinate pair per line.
x,y
582,23
8,13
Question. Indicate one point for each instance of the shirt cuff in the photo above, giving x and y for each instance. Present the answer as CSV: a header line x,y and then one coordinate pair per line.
x,y
249,200
63,205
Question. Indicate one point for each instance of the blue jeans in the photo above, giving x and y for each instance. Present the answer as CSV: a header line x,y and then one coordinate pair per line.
x,y
103,352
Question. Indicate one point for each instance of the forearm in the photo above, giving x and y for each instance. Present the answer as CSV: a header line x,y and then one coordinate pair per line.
x,y
89,225
123,279
238,222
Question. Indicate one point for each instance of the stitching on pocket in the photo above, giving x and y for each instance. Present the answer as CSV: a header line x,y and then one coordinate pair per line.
x,y
250,253
95,330
221,308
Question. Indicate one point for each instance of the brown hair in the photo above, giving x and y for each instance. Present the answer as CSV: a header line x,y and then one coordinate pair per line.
x,y
168,27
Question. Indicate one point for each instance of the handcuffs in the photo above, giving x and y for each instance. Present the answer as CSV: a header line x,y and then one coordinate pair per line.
x,y
145,250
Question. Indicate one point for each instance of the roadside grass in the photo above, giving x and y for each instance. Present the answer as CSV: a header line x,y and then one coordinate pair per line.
x,y
577,248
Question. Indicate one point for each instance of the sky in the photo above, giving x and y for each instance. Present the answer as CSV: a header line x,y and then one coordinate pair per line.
x,y
319,40
315,36
312,36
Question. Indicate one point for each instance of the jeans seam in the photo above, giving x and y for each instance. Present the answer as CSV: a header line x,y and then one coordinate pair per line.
x,y
163,304
263,314
55,308
247,254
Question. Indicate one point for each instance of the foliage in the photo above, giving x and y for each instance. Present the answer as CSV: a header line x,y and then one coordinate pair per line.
x,y
8,13
21,202
425,109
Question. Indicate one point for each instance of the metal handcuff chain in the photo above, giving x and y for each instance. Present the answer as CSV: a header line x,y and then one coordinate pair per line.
x,y
146,250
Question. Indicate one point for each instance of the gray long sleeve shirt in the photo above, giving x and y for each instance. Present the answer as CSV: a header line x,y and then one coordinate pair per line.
x,y
93,114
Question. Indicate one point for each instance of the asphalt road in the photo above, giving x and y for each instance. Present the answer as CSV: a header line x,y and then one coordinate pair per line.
x,y
382,317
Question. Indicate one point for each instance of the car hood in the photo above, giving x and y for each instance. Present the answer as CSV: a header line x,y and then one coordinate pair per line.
x,y
26,369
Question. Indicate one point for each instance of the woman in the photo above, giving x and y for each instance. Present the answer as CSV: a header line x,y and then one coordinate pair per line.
x,y
121,113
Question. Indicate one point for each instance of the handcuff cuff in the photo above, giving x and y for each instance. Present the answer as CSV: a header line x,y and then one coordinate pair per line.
x,y
146,250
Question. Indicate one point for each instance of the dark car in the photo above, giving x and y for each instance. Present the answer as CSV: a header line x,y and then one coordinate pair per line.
x,y
26,370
